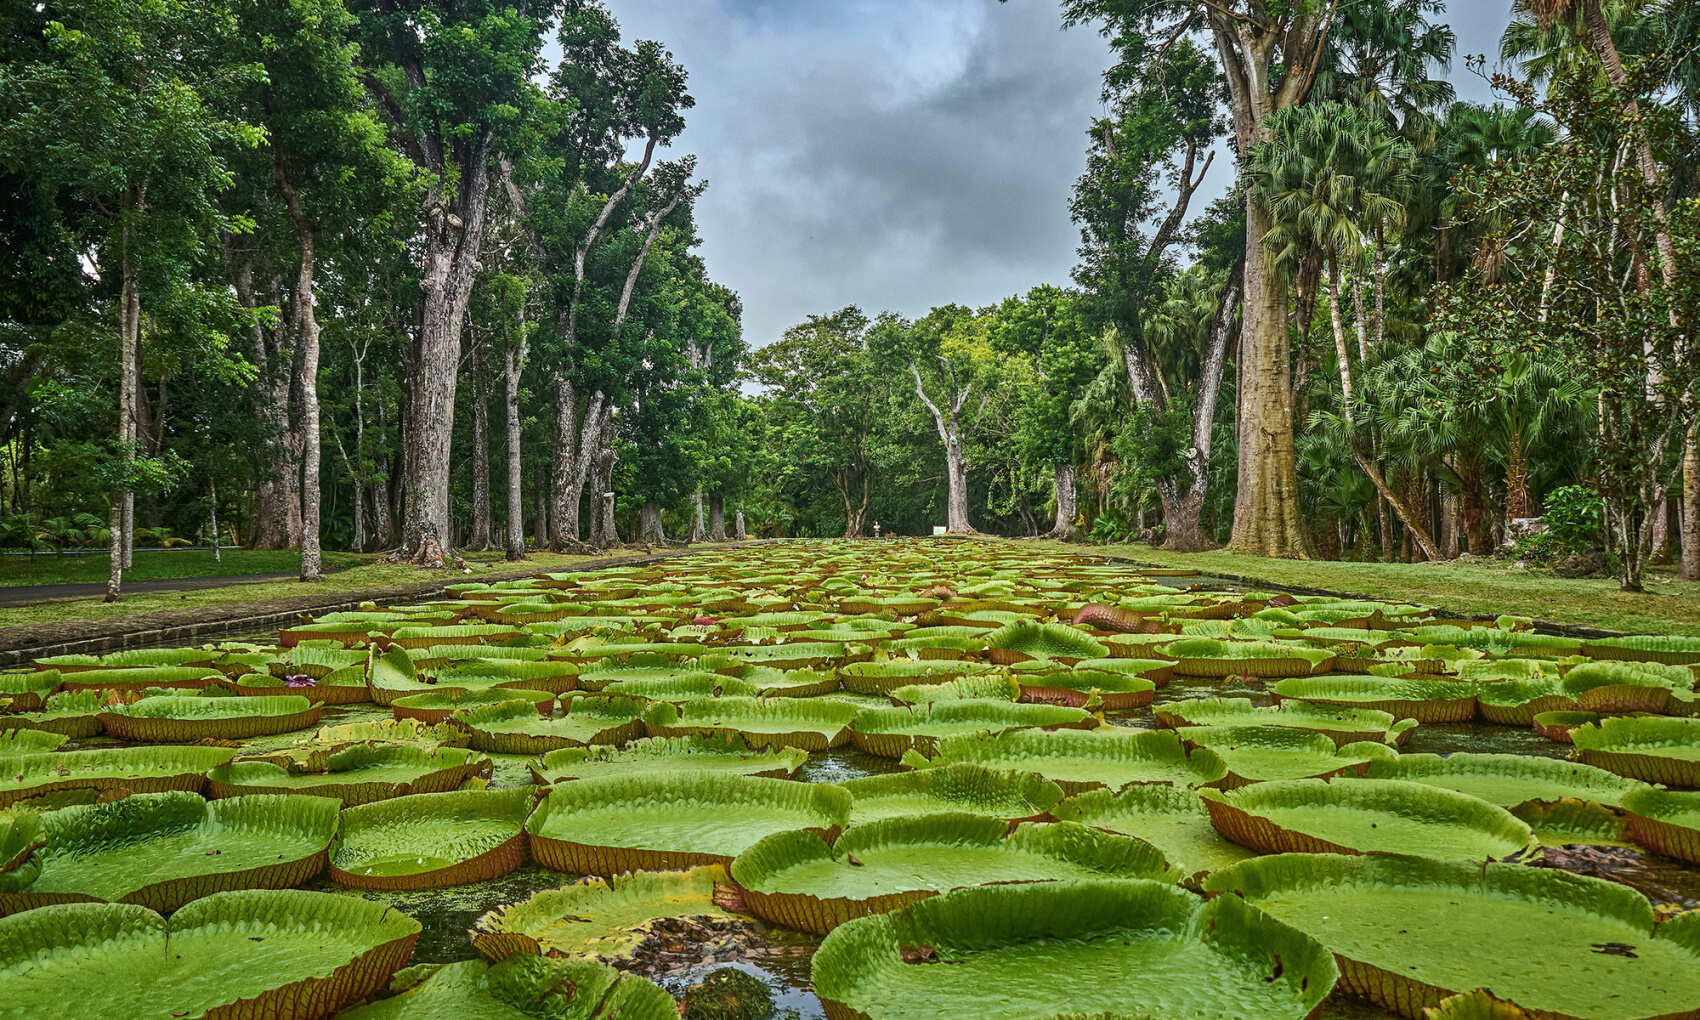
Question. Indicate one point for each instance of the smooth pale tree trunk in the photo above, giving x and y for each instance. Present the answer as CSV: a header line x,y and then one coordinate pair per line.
x,y
1268,515
307,381
649,523
212,518
1068,500
699,527
277,505
717,517
1359,313
513,364
855,513
955,459
738,531
1341,353
1380,289
1691,505
575,448
359,542
453,236
605,533
129,325
480,538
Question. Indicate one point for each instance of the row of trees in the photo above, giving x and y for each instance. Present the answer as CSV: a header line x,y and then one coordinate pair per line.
x,y
301,246
306,249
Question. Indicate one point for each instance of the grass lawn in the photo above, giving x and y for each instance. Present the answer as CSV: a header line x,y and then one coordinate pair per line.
x,y
370,573
1668,607
162,564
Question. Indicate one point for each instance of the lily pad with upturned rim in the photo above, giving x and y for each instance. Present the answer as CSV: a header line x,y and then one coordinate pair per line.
x,y
1080,760
1427,701
884,676
178,718
725,753
651,822
1357,816
427,841
1562,945
520,989
960,788
891,732
162,850
278,954
1171,819
1256,754
796,879
137,769
1114,950
358,774
806,724
603,918
436,706
512,727
1216,658
1653,749
1665,821
1340,724
1508,779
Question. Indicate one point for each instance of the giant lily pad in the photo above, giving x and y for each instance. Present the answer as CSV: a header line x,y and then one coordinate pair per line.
x,y
1340,724
522,988
1109,949
75,714
1516,702
1171,819
1212,657
809,725
1257,754
1026,639
884,676
430,840
183,718
959,788
986,687
26,692
1105,690
1614,687
1508,779
604,918
137,769
1665,821
1084,760
1672,650
514,727
606,826
358,774
138,680
890,732
798,880
283,954
1408,932
681,685
723,753
161,850
1427,701
1367,816
436,706
1651,749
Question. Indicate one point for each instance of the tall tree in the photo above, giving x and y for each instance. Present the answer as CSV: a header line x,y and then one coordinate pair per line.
x,y
454,79
1269,54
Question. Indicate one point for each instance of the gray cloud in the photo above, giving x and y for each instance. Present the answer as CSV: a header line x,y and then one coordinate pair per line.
x,y
896,154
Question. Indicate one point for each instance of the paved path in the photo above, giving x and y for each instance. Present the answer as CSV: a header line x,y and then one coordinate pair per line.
x,y
15,596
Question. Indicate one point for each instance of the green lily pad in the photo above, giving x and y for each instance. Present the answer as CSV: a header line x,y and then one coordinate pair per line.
x,y
26,692
883,676
721,754
959,788
1672,650
1108,949
436,706
139,679
1561,945
680,685
1665,821
608,919
1508,779
1340,724
890,732
1427,701
670,820
76,714
987,687
180,718
806,724
137,769
261,953
514,727
1213,657
1358,816
522,988
1083,760
1651,749
1256,754
1172,819
1619,687
1028,639
358,774
162,850
427,841
796,879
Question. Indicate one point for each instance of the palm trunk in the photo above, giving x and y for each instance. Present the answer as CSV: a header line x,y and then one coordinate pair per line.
x,y
1359,318
129,325
1380,289
1517,501
1341,353
212,517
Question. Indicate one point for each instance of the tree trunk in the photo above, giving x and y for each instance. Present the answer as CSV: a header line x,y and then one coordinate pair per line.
x,y
717,517
1268,517
277,506
575,448
1068,501
212,517
1380,289
1691,504
1183,519
307,381
129,326
955,459
480,538
1517,501
453,236
512,365
649,523
699,528
738,531
1359,312
540,513
1341,354
605,534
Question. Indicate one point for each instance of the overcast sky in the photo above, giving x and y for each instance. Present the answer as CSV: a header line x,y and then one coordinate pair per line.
x,y
897,154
